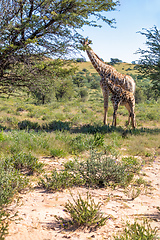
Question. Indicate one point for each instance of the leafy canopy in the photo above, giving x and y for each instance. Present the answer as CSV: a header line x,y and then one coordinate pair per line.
x,y
34,28
47,26
149,64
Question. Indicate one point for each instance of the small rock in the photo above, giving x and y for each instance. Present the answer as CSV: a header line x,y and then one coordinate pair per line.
x,y
93,236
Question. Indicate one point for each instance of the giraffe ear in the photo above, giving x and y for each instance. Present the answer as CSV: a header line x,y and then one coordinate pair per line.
x,y
89,41
83,41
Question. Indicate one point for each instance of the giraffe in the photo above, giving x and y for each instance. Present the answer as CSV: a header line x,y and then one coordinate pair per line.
x,y
120,96
125,81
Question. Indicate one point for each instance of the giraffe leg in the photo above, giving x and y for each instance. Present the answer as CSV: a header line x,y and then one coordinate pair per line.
x,y
105,114
133,119
129,118
129,112
133,116
114,123
106,97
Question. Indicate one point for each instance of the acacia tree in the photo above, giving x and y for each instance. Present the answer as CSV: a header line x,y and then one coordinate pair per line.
x,y
33,29
149,63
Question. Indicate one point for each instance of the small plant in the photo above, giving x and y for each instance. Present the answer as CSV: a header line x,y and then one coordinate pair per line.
x,y
132,163
133,192
77,144
98,140
62,180
140,181
83,212
2,137
138,231
3,223
57,152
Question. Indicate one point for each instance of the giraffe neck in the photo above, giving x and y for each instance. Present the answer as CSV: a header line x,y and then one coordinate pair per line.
x,y
105,70
97,63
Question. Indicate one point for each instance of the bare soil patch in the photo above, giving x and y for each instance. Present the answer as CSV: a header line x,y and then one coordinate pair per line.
x,y
36,209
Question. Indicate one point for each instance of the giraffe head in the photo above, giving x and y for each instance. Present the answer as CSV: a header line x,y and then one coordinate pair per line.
x,y
85,42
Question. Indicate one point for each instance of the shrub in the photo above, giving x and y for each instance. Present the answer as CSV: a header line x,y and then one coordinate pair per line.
x,y
139,95
58,181
95,84
100,170
27,125
84,142
133,192
64,89
79,144
83,212
24,162
138,231
83,93
11,182
132,163
57,125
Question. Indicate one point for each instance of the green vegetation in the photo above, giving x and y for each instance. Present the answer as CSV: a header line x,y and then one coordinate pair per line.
x,y
24,162
97,171
149,63
55,108
58,181
138,231
11,182
72,126
83,212
4,223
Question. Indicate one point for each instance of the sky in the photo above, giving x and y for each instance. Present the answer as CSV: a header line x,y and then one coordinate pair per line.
x,y
123,41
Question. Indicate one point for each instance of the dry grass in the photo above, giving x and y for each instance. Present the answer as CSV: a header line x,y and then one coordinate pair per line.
x,y
124,68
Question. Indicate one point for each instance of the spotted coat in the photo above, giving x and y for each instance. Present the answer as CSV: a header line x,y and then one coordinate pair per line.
x,y
106,71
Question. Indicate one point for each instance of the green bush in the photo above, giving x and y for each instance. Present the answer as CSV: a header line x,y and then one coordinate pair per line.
x,y
100,170
95,84
11,182
64,89
98,140
138,231
83,93
27,125
133,164
83,212
57,181
139,95
57,125
24,162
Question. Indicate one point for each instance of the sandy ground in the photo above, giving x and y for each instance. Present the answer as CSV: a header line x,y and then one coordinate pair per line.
x,y
36,209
